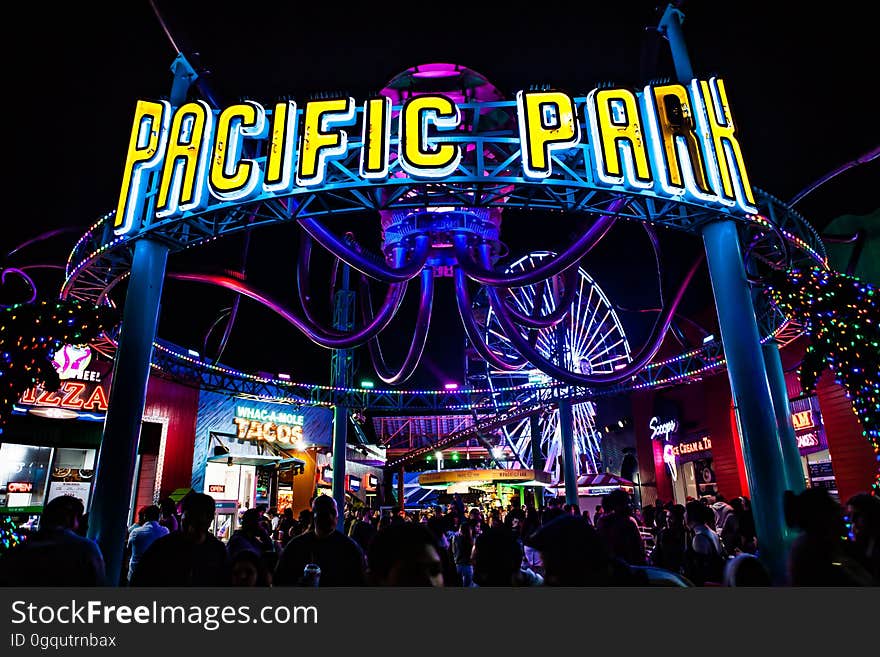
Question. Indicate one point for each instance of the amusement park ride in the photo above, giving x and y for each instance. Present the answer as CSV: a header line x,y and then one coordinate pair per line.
x,y
438,157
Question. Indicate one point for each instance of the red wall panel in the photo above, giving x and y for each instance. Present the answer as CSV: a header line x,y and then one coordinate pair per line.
x,y
178,406
852,457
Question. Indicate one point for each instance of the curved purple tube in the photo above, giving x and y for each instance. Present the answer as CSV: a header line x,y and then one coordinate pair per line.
x,y
420,336
645,355
363,264
472,329
485,275
538,321
28,280
44,236
320,336
227,331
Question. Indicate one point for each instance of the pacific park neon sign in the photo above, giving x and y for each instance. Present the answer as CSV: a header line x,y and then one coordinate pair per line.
x,y
672,140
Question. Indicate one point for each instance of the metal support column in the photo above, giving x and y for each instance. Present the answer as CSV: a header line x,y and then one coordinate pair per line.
x,y
750,387
537,457
341,375
401,491
128,394
566,429
749,384
114,474
791,457
340,436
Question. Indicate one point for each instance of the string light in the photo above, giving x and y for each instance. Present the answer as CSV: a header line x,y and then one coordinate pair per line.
x,y
30,334
840,314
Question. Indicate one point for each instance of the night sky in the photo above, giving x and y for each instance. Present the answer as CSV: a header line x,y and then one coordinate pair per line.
x,y
801,84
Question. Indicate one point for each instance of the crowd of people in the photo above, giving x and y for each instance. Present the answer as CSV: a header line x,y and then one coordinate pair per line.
x,y
706,542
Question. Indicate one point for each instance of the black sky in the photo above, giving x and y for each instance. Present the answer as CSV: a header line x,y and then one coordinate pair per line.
x,y
801,83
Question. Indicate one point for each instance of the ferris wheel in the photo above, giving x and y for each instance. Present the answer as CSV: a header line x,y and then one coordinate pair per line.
x,y
590,340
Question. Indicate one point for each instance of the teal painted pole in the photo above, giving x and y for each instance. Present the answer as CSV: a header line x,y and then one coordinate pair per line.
x,y
128,393
670,25
750,387
566,429
340,439
114,474
537,457
746,369
791,457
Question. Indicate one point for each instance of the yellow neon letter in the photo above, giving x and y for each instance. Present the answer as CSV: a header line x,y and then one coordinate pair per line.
x,y
376,137
547,122
677,147
149,135
279,159
317,144
418,156
734,181
616,128
233,178
186,159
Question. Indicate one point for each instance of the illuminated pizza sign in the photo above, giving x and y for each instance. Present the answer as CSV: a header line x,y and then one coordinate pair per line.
x,y
72,395
268,425
673,141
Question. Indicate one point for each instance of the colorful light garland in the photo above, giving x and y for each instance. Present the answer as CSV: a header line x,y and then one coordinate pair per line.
x,y
29,336
840,313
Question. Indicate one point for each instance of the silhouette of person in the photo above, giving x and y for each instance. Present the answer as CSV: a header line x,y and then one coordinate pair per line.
x,y
55,555
192,556
341,559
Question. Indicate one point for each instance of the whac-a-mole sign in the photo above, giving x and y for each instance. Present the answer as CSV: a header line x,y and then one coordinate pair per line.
x,y
671,140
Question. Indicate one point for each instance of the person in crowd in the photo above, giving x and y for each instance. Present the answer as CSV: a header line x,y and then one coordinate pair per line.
x,y
731,533
192,556
704,557
143,536
722,511
515,512
340,559
553,511
362,530
531,524
274,519
669,552
597,515
498,560
585,516
462,549
573,554
819,556
458,505
303,522
649,515
248,568
863,511
746,523
285,526
475,517
620,531
140,520
745,570
55,555
405,554
169,518
251,535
